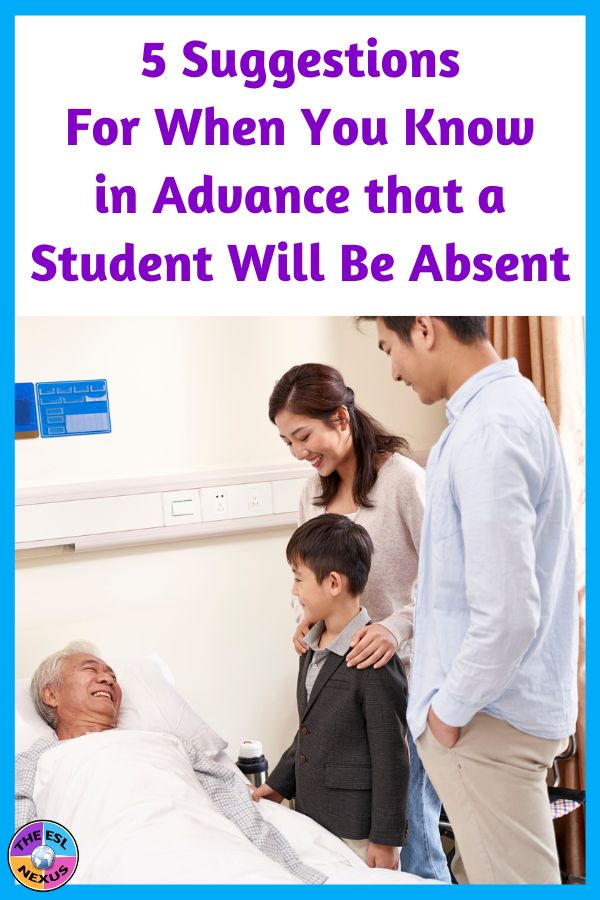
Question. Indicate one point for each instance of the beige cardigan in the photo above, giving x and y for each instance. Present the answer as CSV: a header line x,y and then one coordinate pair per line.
x,y
394,524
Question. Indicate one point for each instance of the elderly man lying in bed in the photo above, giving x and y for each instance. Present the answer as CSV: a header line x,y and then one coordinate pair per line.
x,y
153,807
78,694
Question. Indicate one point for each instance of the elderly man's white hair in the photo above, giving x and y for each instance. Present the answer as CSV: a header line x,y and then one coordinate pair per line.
x,y
48,673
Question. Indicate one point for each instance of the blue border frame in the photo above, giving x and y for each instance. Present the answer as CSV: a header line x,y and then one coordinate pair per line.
x,y
587,8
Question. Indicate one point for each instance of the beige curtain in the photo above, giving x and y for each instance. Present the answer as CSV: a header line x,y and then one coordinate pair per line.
x,y
551,352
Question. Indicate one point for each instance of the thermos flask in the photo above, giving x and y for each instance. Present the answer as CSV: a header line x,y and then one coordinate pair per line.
x,y
252,762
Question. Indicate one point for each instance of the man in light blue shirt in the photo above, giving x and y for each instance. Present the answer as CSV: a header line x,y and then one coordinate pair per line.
x,y
493,696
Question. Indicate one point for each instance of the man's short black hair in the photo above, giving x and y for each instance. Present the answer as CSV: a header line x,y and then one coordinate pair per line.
x,y
466,329
333,543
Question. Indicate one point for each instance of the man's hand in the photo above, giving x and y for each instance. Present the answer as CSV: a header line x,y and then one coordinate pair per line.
x,y
447,735
268,793
380,856
373,645
300,632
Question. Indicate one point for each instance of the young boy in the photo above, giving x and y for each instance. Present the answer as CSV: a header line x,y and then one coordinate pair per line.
x,y
348,765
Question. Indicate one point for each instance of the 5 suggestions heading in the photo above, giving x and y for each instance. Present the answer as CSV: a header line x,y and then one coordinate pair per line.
x,y
385,195
281,68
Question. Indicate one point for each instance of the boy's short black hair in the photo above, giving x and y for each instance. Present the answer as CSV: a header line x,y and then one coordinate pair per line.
x,y
466,329
333,543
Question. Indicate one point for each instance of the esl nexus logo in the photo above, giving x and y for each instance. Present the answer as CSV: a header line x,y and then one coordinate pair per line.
x,y
43,855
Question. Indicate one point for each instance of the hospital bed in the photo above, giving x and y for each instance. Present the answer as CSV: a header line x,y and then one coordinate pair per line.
x,y
140,816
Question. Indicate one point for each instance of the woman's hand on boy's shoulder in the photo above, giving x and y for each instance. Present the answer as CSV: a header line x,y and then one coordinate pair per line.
x,y
380,856
372,645
301,631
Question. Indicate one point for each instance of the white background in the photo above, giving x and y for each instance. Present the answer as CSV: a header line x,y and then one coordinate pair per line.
x,y
509,66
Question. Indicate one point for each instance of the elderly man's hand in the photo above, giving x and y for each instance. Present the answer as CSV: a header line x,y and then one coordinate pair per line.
x,y
373,645
268,793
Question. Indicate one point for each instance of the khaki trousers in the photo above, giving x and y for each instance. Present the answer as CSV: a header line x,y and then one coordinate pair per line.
x,y
492,784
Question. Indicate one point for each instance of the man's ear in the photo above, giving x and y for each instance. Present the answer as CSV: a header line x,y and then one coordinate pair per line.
x,y
335,584
424,331
49,696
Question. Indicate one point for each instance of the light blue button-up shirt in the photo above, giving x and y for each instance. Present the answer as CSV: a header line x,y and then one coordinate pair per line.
x,y
496,627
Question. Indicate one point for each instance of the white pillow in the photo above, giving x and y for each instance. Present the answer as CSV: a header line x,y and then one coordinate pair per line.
x,y
28,724
150,703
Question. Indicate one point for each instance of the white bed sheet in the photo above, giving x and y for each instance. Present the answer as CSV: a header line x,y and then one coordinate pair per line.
x,y
139,816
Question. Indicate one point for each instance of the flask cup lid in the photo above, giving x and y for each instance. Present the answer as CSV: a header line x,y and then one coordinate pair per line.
x,y
250,749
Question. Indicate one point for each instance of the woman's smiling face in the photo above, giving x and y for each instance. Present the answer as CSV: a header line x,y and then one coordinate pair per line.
x,y
325,445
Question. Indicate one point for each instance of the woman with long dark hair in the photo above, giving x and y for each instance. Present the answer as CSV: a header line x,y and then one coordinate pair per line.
x,y
363,471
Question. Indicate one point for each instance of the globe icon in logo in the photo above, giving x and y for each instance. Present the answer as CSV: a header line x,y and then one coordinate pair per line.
x,y
42,857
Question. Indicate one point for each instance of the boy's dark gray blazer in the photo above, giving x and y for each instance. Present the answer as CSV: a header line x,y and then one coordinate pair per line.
x,y
348,764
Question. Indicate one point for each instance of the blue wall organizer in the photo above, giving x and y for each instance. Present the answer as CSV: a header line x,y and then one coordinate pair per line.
x,y
26,422
73,407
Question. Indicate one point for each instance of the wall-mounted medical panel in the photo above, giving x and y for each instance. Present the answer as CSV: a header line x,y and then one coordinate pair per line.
x,y
112,514
69,408
286,494
26,421
98,515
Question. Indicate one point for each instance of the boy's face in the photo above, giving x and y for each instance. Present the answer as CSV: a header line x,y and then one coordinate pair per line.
x,y
316,599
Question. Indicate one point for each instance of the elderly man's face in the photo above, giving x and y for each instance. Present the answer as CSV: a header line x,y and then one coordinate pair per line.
x,y
88,692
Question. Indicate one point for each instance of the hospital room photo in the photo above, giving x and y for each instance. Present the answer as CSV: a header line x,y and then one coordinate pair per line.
x,y
317,594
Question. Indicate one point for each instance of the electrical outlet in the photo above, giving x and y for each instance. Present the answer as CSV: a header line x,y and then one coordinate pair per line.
x,y
236,501
215,503
258,499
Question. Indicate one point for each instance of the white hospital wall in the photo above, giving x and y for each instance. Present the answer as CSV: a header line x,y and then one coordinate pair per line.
x,y
187,395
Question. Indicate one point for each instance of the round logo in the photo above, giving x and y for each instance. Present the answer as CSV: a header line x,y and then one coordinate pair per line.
x,y
43,855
